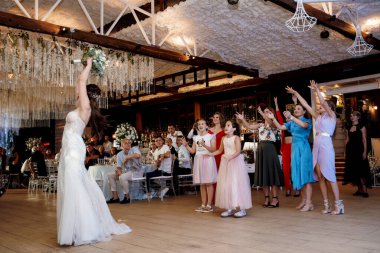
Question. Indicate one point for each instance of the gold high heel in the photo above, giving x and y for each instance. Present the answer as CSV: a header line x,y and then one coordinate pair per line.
x,y
300,206
339,208
307,207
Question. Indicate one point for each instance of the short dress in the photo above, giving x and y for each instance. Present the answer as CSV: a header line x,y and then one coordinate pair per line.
x,y
204,168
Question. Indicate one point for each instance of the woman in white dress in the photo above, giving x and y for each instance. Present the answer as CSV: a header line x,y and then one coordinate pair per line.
x,y
82,213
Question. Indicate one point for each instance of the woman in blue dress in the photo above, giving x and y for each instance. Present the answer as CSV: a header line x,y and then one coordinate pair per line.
x,y
302,160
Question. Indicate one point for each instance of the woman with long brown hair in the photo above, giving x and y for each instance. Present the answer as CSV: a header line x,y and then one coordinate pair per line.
x,y
82,213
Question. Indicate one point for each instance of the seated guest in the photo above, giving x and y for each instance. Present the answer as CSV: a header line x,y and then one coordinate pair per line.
x,y
173,150
149,156
183,158
113,158
107,144
92,155
163,162
102,153
39,160
49,154
128,163
3,160
172,134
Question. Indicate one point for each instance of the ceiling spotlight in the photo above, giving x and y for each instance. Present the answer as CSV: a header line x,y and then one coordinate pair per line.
x,y
325,34
232,2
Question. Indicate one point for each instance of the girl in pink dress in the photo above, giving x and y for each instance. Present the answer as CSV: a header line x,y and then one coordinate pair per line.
x,y
233,191
323,149
204,167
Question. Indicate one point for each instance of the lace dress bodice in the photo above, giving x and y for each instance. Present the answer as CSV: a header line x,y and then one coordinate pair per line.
x,y
74,123
229,145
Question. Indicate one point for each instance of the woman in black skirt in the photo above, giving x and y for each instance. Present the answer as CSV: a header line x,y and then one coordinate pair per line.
x,y
268,171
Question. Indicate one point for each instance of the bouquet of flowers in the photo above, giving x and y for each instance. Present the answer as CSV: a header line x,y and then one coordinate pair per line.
x,y
99,60
125,130
31,142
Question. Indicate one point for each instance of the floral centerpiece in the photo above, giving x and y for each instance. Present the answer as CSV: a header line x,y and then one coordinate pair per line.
x,y
125,130
31,142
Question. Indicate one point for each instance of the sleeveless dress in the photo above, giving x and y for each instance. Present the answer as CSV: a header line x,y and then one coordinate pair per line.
x,y
82,213
302,160
234,189
356,168
204,168
323,149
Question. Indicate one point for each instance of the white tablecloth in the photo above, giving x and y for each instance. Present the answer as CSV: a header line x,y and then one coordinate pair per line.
x,y
100,172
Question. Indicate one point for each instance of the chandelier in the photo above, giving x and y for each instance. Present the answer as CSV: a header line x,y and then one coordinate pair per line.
x,y
301,21
360,47
37,78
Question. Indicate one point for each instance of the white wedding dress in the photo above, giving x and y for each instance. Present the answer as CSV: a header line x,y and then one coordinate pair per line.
x,y
82,213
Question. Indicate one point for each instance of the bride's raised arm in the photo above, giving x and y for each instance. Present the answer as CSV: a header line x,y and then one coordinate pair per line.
x,y
83,101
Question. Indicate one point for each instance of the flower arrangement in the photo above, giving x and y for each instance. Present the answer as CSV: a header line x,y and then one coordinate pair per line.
x,y
31,142
99,60
125,130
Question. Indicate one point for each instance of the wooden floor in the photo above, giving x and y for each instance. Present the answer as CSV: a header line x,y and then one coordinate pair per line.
x,y
28,224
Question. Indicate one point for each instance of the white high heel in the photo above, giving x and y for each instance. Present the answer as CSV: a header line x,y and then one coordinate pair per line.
x,y
339,208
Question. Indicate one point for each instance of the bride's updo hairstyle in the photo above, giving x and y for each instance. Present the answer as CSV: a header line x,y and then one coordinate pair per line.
x,y
97,122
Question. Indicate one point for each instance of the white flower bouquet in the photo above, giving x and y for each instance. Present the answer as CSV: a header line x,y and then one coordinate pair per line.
x,y
99,60
31,142
125,130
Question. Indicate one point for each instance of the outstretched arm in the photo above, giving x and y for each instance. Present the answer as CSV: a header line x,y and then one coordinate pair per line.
x,y
278,113
276,123
299,122
83,100
313,86
220,150
240,117
302,101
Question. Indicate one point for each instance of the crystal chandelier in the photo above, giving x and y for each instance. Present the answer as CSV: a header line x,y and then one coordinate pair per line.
x,y
301,21
359,47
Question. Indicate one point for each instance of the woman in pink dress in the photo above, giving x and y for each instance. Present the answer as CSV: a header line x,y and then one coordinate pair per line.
x,y
323,149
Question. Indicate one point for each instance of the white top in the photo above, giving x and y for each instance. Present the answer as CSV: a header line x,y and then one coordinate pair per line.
x,y
107,146
166,164
183,157
174,137
200,150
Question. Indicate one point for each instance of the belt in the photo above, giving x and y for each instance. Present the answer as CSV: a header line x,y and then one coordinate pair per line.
x,y
323,134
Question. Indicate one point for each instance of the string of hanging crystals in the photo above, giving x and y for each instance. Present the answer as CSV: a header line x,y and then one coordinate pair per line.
x,y
37,79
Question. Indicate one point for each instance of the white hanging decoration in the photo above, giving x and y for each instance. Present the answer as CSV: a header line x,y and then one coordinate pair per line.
x,y
360,47
301,21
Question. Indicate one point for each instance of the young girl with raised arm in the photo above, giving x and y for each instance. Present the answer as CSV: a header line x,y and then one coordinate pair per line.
x,y
302,162
268,172
233,187
323,149
204,168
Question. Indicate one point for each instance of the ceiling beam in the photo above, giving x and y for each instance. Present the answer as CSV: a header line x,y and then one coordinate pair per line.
x,y
128,19
23,23
325,19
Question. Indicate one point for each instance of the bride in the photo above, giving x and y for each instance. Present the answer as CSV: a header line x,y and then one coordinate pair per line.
x,y
82,213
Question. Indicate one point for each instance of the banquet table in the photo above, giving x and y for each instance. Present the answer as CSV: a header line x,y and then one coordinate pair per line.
x,y
100,172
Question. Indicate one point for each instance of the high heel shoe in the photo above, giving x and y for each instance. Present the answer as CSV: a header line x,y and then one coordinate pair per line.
x,y
266,203
276,205
327,206
339,208
297,193
288,193
300,206
307,207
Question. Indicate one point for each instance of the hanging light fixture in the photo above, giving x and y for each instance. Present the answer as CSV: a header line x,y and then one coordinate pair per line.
x,y
359,47
301,21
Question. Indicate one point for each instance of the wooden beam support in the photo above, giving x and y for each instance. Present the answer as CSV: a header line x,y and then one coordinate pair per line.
x,y
23,23
327,20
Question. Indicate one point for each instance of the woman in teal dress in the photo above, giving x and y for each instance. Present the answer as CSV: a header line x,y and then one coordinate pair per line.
x,y
302,160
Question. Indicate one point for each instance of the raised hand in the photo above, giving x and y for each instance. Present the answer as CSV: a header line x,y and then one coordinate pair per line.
x,y
239,116
294,98
287,114
275,100
259,110
313,85
290,90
